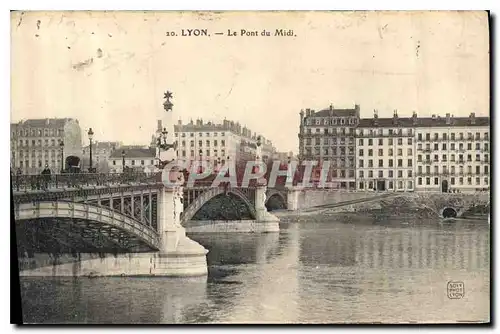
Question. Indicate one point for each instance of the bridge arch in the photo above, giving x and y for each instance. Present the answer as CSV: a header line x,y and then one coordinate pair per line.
x,y
90,228
449,213
216,192
275,200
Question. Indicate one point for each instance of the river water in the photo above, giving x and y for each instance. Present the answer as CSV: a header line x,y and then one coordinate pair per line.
x,y
311,272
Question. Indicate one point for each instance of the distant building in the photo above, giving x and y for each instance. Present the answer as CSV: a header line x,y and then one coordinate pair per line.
x,y
37,142
328,135
140,159
101,151
216,143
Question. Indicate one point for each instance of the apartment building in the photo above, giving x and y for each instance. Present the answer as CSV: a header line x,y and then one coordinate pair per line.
x,y
329,135
39,142
453,153
385,153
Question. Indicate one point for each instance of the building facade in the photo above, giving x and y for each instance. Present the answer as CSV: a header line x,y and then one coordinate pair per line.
x,y
138,158
400,153
329,135
36,143
101,152
385,153
216,143
452,153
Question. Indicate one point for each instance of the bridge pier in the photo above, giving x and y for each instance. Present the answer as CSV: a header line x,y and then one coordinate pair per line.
x,y
264,221
178,255
293,198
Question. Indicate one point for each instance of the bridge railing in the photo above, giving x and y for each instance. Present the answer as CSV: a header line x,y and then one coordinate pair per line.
x,y
78,180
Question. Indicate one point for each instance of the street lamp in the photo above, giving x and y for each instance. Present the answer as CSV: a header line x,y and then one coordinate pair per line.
x,y
201,166
123,160
90,134
61,145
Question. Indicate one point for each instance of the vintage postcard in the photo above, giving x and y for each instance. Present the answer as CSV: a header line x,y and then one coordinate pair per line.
x,y
251,167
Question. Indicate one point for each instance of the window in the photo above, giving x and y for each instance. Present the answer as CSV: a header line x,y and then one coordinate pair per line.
x,y
452,135
469,181
400,141
381,163
444,146
461,181
444,157
478,146
410,141
410,163
370,142
478,169
380,152
370,152
410,173
391,141
485,180
452,181
436,157
419,181
114,162
486,170
419,158
380,173
400,162
419,136
400,173
410,152
445,136
427,136
391,152
142,162
361,174
370,163
208,153
370,185
391,162
133,162
215,142
428,181
400,184
478,181
381,141
391,173
361,185
436,181
370,173
200,143
152,161
361,152
400,152
469,146
410,184
361,142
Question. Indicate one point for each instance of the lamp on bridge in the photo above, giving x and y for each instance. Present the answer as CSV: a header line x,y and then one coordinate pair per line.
x,y
162,141
61,145
201,166
90,134
123,160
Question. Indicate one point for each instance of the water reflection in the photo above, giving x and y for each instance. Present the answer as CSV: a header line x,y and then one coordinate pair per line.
x,y
310,272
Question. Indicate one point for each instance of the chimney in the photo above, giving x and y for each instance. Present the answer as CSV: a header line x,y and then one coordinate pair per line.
x,y
473,118
433,116
375,116
331,107
331,110
158,125
448,119
47,121
414,117
395,116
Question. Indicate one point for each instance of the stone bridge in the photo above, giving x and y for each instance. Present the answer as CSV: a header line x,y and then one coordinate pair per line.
x,y
424,205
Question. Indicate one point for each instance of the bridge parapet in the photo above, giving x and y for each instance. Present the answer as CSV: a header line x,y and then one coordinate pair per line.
x,y
79,180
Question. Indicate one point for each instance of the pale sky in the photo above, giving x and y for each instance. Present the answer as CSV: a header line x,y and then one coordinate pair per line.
x,y
430,62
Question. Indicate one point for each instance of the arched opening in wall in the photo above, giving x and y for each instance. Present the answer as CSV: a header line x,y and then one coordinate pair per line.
x,y
275,202
449,213
444,186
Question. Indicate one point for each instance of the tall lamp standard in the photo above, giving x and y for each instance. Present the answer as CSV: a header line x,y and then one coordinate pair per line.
x,y
90,134
123,160
201,163
61,145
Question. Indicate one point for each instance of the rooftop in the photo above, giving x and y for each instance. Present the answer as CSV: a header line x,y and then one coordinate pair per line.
x,y
414,121
44,122
134,152
332,112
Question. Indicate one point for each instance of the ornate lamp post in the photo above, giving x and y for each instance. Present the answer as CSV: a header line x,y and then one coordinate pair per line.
x,y
61,145
123,160
90,134
201,166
